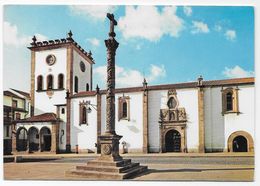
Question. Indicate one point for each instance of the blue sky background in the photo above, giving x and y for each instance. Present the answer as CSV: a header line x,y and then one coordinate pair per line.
x,y
164,44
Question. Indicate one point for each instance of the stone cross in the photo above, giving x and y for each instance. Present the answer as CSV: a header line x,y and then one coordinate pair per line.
x,y
113,23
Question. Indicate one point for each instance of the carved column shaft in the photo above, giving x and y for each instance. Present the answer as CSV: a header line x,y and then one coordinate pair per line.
x,y
111,45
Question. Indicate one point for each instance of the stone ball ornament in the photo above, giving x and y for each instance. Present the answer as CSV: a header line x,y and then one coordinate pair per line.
x,y
50,59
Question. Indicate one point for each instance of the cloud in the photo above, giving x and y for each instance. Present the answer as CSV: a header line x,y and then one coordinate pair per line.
x,y
40,37
97,12
149,23
94,41
187,10
13,38
218,28
199,27
230,35
237,72
129,77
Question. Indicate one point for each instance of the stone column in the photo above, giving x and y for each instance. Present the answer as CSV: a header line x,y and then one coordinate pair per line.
x,y
54,135
14,150
111,45
110,140
98,119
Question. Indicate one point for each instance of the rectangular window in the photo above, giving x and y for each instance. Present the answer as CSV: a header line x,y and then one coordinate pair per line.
x,y
17,116
14,103
83,113
124,108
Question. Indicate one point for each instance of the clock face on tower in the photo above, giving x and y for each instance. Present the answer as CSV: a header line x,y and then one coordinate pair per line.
x,y
50,59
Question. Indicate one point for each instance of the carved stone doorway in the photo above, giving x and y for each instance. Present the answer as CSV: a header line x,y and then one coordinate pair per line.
x,y
173,141
240,144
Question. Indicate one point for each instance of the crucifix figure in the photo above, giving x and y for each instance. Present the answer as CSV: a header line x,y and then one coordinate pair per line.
x,y
113,23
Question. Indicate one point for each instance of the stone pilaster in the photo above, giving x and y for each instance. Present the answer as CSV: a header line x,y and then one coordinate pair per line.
x,y
32,82
68,105
145,119
201,120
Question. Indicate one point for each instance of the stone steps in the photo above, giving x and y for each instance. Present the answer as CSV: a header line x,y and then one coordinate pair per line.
x,y
119,163
118,169
97,175
107,169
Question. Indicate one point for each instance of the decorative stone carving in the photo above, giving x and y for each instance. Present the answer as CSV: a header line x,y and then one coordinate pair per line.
x,y
107,149
172,118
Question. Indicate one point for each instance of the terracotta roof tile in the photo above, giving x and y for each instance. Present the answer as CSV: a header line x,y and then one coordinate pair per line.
x,y
26,94
194,84
9,93
46,117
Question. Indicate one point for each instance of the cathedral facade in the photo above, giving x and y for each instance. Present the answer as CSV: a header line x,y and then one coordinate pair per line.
x,y
68,113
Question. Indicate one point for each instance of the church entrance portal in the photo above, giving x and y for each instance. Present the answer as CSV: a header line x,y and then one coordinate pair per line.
x,y
240,144
173,141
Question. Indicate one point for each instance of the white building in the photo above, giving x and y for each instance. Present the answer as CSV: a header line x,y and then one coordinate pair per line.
x,y
67,115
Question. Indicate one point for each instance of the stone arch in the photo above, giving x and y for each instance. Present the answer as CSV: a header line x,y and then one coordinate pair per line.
x,y
33,139
250,142
45,139
21,139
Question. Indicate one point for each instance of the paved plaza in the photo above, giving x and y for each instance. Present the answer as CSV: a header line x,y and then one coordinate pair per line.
x,y
162,167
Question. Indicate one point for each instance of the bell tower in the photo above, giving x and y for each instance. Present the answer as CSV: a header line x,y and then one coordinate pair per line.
x,y
58,66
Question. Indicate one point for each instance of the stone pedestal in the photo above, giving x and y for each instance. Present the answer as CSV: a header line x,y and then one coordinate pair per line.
x,y
110,165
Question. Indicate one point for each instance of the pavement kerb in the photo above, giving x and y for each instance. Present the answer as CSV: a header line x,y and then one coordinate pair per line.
x,y
181,155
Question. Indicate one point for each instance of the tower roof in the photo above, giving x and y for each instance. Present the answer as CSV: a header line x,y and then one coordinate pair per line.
x,y
58,43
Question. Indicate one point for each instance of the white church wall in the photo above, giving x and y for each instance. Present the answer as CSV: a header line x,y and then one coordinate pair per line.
x,y
214,121
156,101
42,102
103,113
244,121
62,136
83,77
85,136
132,130
188,99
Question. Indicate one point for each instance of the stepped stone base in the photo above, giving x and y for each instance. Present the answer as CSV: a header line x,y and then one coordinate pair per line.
x,y
101,169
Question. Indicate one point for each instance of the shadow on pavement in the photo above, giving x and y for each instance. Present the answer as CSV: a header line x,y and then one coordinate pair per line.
x,y
149,171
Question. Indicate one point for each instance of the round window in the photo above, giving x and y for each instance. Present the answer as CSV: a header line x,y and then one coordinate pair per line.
x,y
82,66
50,59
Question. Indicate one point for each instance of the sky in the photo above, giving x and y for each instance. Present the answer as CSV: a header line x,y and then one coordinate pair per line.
x,y
164,44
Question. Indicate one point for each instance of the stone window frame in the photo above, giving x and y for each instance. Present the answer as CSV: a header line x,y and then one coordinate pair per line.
x,y
235,105
83,110
121,101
